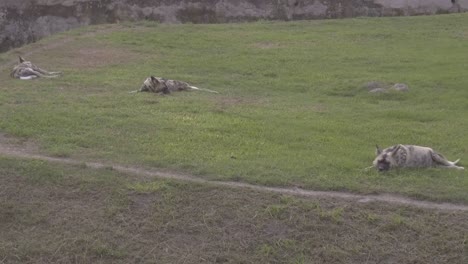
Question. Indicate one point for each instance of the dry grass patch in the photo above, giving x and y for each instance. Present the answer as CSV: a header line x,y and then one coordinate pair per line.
x,y
96,57
93,55
267,45
9,143
51,214
224,102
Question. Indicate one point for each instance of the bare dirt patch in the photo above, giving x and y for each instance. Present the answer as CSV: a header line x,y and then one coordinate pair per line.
x,y
224,102
96,57
267,45
319,108
8,144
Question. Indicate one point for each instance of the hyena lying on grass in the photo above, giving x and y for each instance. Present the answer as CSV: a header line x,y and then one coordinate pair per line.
x,y
410,156
165,86
25,70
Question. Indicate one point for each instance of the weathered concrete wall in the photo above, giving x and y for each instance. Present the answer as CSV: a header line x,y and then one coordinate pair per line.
x,y
24,21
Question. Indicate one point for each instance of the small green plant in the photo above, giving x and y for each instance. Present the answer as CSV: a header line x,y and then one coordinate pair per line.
x,y
276,210
371,218
301,259
395,222
336,214
287,244
287,200
266,250
105,251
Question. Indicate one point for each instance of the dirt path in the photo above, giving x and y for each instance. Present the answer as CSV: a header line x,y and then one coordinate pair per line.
x,y
11,148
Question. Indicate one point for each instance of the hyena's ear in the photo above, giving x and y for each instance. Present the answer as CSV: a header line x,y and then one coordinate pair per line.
x,y
21,59
154,79
395,150
377,150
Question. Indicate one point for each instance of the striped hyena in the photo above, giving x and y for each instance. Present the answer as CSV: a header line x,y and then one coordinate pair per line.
x,y
25,70
410,156
165,86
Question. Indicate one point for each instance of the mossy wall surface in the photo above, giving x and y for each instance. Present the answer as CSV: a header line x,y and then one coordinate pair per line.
x,y
25,21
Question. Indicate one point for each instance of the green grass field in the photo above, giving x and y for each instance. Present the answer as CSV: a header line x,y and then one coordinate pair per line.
x,y
292,108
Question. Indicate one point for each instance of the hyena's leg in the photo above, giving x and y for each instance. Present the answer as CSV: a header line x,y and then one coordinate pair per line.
x,y
44,75
44,72
30,77
441,160
55,73
28,73
49,76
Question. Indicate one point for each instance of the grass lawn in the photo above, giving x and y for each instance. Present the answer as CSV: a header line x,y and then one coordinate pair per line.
x,y
292,108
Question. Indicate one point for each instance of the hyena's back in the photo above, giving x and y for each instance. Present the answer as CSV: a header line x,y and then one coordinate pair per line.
x,y
175,86
418,156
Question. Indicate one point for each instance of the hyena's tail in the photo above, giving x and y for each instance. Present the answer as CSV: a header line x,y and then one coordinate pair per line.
x,y
202,89
441,160
454,165
136,91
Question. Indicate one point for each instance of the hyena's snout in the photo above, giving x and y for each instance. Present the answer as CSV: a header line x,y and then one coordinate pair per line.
x,y
383,166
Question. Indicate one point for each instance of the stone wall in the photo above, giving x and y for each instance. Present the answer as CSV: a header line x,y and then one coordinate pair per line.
x,y
24,21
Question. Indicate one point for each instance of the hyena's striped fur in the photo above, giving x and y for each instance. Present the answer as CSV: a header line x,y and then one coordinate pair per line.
x,y
161,85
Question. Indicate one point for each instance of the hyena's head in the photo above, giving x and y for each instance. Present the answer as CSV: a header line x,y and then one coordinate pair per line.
x,y
26,63
157,85
153,84
385,159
